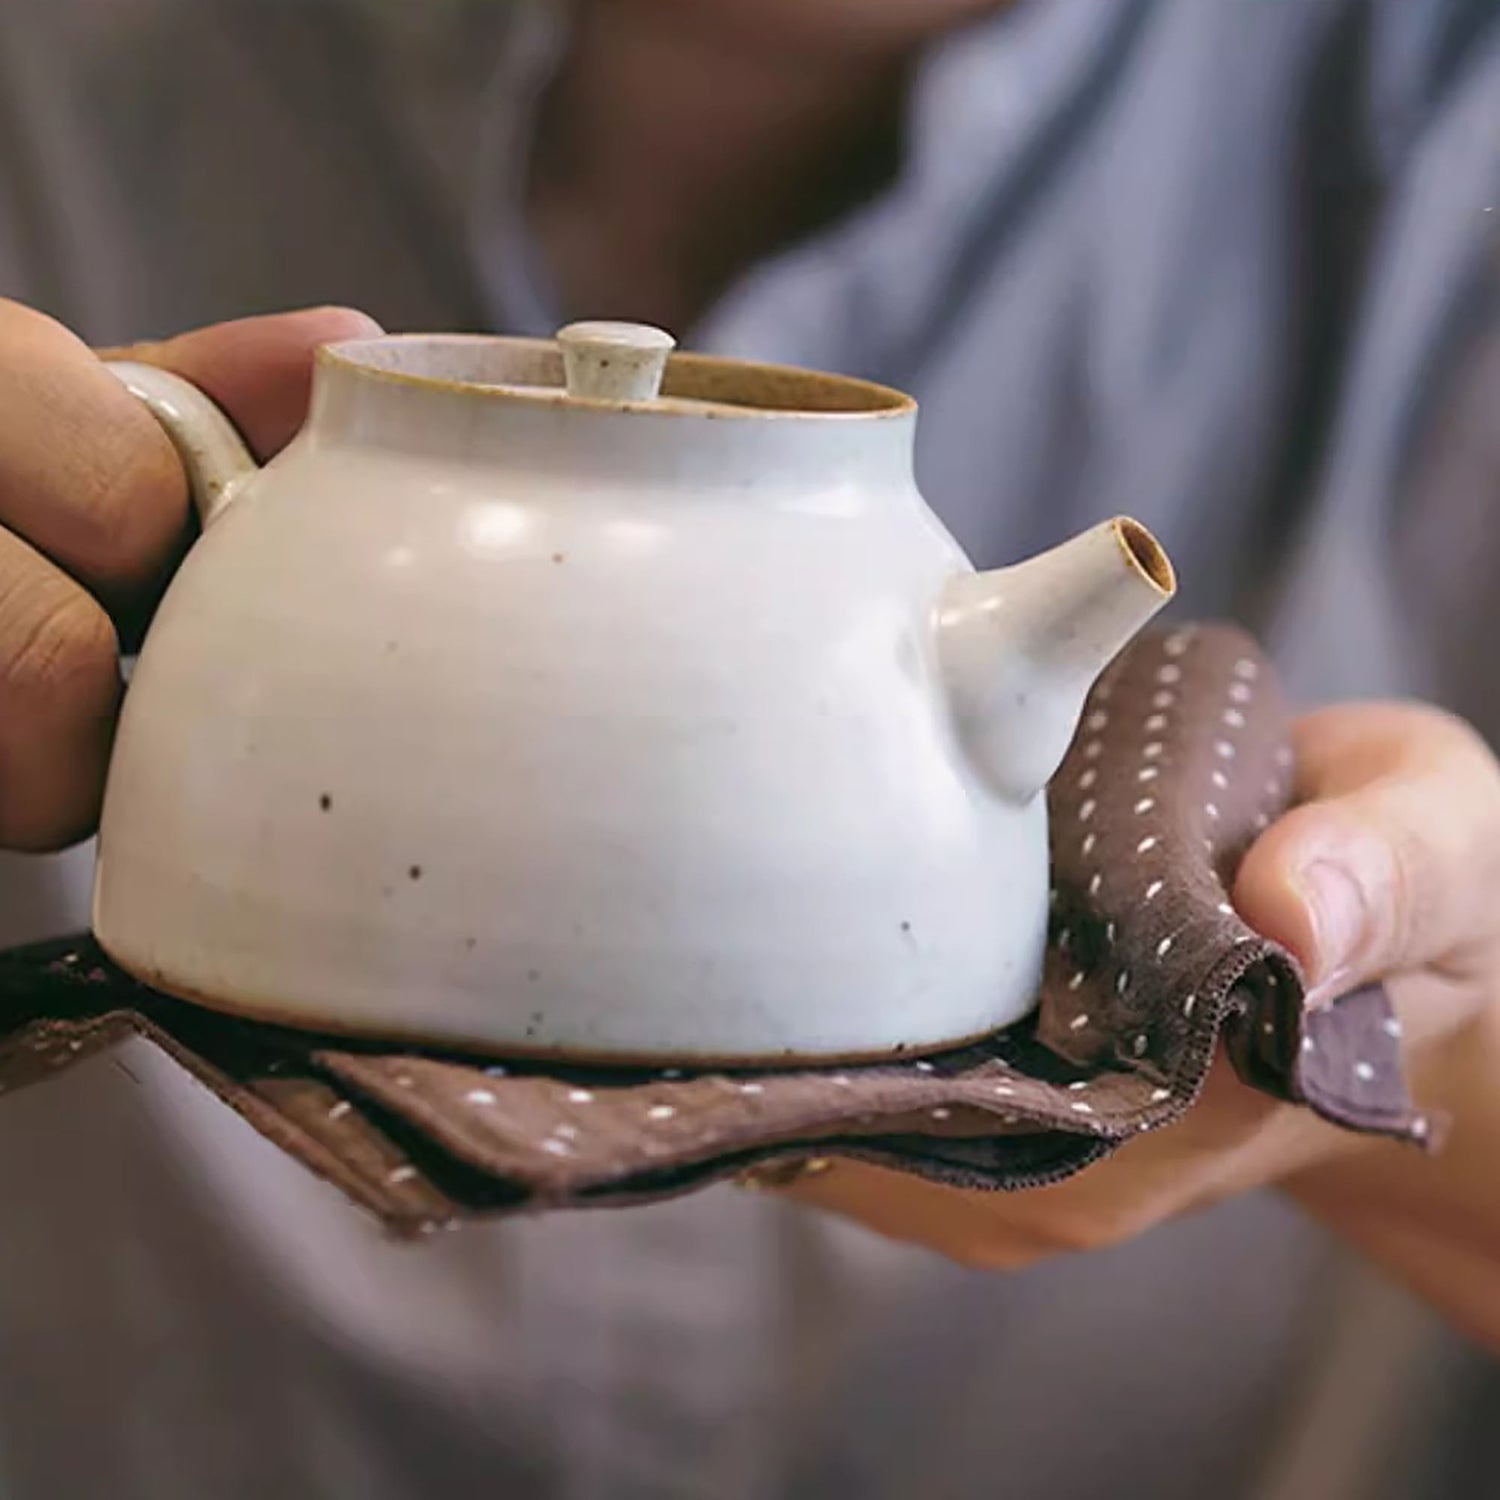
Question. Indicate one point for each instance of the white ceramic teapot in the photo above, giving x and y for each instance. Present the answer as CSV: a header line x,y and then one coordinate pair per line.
x,y
518,705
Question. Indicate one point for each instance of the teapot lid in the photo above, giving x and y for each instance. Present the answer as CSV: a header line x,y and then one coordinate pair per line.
x,y
608,361
604,360
621,366
611,361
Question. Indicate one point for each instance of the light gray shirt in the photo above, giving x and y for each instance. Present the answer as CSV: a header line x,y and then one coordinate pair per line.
x,y
1227,265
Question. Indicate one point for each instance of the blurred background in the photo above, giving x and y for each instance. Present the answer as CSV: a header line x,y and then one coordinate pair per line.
x,y
1230,266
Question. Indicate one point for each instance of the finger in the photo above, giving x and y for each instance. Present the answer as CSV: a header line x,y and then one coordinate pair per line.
x,y
258,369
59,687
1232,1141
86,474
1392,861
970,1228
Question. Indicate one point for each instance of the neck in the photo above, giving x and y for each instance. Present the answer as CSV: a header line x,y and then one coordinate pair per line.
x,y
670,157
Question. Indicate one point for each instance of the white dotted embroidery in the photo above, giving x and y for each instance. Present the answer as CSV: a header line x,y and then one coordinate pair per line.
x,y
1123,982
1224,909
1145,804
1096,721
1092,750
1153,750
1283,757
671,1073
557,1148
925,1067
1150,773
842,1080
1078,1023
1220,780
1164,947
1211,809
400,1174
661,1112
1139,1045
404,1081
580,1096
752,1088
1153,890
1004,1089
1234,718
1188,1004
1363,1071
1089,840
1146,844
1262,822
1095,881
567,1132
1076,982
1064,937
1079,1107
339,1110
1079,1086
1391,1026
1163,699
1155,723
1087,780
1160,1096
480,1096
1168,674
1246,669
1307,1044
1109,932
1239,692
942,1114
1087,810
1175,645
1223,749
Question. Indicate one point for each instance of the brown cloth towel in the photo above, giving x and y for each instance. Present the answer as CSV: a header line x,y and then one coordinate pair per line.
x,y
1180,760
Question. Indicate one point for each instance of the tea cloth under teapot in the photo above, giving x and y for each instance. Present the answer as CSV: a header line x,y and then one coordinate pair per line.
x,y
1180,760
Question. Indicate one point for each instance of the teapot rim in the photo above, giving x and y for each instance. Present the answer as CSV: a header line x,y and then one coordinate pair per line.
x,y
705,386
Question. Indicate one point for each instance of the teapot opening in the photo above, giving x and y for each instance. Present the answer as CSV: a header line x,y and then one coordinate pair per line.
x,y
1146,554
533,371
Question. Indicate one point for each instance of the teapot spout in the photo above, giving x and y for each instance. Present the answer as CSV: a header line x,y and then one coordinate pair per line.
x,y
1020,647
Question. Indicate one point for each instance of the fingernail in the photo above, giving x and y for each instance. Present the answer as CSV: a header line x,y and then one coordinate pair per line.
x,y
1337,904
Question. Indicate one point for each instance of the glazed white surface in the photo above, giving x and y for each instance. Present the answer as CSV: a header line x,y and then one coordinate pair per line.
x,y
604,730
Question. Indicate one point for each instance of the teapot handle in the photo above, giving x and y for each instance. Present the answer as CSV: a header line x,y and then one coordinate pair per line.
x,y
217,461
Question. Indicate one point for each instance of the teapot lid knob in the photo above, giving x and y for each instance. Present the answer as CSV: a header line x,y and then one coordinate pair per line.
x,y
614,361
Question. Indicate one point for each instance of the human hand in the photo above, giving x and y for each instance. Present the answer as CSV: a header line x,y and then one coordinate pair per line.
x,y
1389,868
93,518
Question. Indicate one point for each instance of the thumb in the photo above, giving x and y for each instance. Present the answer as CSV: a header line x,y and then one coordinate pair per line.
x,y
1390,861
258,369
